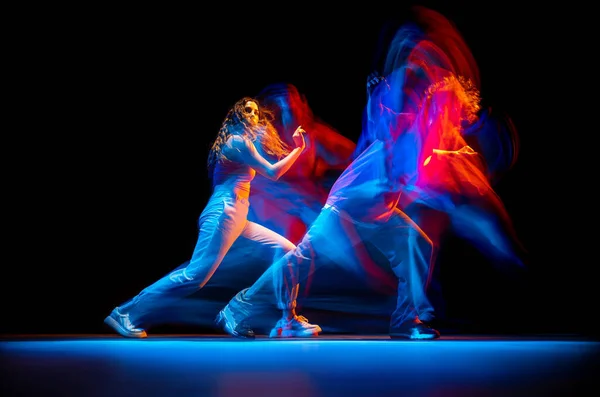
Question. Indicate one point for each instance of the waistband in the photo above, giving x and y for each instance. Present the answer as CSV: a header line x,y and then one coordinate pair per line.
x,y
228,193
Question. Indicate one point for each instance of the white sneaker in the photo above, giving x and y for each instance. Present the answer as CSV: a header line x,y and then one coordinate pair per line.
x,y
121,323
297,327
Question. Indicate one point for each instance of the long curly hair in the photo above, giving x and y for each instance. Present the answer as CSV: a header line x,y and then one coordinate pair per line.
x,y
235,123
460,100
467,95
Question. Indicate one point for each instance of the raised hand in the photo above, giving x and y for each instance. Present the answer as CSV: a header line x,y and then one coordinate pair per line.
x,y
298,137
373,79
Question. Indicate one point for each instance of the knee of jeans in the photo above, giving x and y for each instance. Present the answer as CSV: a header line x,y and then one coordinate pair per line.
x,y
288,246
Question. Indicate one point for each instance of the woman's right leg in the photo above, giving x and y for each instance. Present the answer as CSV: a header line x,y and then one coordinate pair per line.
x,y
221,223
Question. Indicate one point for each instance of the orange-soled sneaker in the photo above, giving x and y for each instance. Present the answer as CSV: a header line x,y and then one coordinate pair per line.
x,y
122,324
296,327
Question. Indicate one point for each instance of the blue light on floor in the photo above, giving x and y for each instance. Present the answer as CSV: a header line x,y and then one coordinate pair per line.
x,y
223,367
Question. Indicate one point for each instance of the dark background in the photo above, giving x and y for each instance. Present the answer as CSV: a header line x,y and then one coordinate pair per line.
x,y
116,110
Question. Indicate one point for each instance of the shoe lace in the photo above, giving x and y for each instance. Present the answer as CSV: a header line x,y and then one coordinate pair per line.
x,y
301,319
127,322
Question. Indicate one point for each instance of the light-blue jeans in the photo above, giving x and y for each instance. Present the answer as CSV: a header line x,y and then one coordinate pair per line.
x,y
337,238
223,230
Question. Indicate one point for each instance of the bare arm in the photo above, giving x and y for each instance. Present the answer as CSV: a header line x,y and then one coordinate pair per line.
x,y
244,151
463,150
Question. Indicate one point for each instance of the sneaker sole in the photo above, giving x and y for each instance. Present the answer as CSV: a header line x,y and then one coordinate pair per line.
x,y
279,333
111,322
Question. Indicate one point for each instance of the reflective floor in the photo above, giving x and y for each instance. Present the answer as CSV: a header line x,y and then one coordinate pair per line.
x,y
332,365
